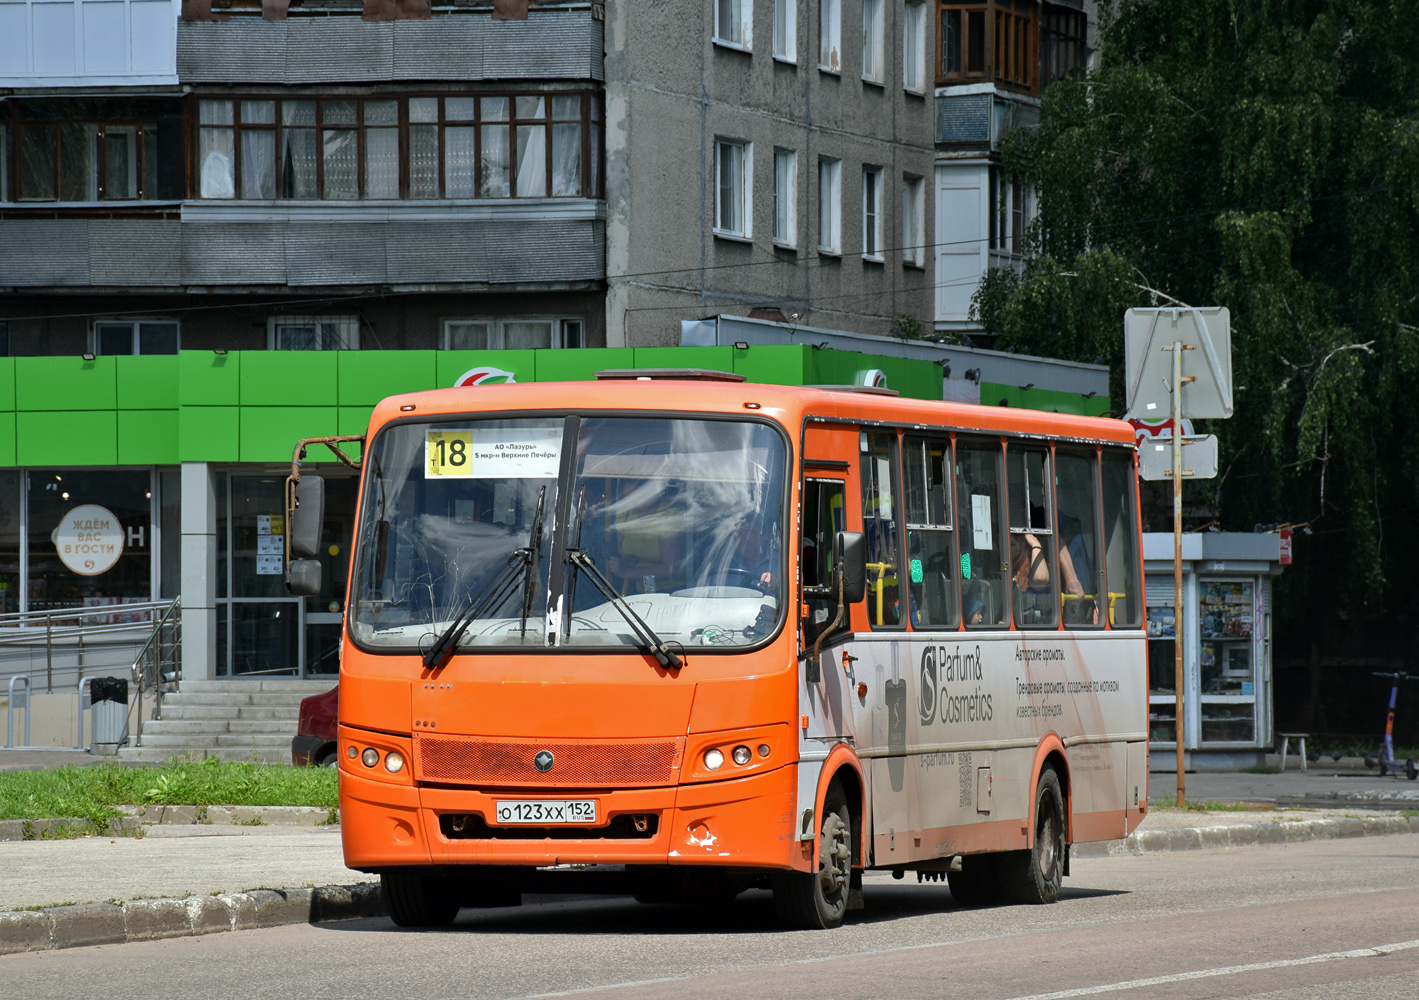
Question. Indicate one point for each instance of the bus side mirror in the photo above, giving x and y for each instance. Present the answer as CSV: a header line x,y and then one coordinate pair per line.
x,y
303,577
306,516
850,559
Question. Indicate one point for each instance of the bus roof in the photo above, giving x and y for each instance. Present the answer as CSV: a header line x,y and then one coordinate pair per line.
x,y
788,404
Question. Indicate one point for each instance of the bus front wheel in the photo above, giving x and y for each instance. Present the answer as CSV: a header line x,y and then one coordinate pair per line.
x,y
414,899
817,900
1035,875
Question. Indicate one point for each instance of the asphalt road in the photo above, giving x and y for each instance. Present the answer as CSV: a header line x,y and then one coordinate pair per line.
x,y
1333,919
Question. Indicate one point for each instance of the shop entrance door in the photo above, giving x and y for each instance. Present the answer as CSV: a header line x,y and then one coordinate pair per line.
x,y
325,612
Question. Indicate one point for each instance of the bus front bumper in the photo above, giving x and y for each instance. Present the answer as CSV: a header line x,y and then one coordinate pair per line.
x,y
744,822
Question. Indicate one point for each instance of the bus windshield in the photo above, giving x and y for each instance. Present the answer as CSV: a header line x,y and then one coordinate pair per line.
x,y
675,522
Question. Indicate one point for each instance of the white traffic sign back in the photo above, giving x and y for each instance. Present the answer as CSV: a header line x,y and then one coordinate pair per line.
x,y
1148,336
1199,457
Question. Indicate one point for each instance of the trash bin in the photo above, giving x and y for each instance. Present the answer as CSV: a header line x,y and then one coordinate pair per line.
x,y
109,697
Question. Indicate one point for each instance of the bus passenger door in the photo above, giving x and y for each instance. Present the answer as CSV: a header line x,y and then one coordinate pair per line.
x,y
824,696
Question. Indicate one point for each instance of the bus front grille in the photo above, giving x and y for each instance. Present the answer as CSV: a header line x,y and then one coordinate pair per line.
x,y
485,762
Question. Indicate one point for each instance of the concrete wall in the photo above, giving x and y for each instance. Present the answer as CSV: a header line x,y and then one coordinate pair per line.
x,y
670,91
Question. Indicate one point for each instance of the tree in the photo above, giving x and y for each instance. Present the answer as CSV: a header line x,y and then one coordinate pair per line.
x,y
1262,155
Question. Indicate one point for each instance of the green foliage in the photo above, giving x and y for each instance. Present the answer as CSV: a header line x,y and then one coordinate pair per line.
x,y
91,792
1263,156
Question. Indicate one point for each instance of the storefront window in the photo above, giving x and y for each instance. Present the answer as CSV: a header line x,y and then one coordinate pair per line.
x,y
9,542
1225,660
90,538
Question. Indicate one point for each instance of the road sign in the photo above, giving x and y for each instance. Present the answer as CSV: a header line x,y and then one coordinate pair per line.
x,y
1206,336
1285,546
1199,457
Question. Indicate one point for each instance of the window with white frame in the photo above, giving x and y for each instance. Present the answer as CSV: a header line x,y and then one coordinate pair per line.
x,y
135,337
313,333
830,206
872,213
733,164
872,41
786,30
914,47
914,221
830,36
511,333
785,197
1010,212
732,24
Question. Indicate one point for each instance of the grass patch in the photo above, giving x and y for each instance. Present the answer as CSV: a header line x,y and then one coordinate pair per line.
x,y
91,792
1171,802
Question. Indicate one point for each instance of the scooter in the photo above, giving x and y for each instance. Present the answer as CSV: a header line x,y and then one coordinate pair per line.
x,y
1386,763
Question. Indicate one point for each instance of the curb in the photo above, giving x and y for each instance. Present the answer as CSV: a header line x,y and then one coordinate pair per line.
x,y
134,818
1247,835
88,924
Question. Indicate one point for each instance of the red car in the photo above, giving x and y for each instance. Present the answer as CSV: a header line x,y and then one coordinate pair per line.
x,y
314,742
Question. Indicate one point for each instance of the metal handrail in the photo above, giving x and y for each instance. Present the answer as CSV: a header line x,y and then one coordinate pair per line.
x,y
10,712
139,673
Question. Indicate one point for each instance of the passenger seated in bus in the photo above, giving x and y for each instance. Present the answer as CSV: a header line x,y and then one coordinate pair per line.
x,y
1074,571
1029,571
644,543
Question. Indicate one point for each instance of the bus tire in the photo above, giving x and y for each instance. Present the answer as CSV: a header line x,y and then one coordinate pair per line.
x,y
978,881
414,899
817,900
1034,876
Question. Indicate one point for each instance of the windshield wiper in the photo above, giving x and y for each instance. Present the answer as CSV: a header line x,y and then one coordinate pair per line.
x,y
529,586
493,595
646,638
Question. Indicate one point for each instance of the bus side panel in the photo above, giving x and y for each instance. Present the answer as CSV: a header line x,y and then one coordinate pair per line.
x,y
1098,780
1137,785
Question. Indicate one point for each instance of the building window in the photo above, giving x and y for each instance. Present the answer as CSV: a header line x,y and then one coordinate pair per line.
x,y
313,333
989,39
914,47
786,197
830,36
872,213
86,150
140,337
872,41
732,25
511,334
732,184
914,221
503,146
4,344
1010,211
786,30
1064,50
830,204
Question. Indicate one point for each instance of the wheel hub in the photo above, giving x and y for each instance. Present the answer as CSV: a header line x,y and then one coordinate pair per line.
x,y
834,855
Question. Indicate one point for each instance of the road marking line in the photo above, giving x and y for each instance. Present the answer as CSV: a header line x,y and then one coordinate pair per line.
x,y
1229,970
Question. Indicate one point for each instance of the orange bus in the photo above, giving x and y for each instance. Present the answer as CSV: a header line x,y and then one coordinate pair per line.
x,y
675,635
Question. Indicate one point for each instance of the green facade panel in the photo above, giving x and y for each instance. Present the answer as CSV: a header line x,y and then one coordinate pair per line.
x,y
453,365
147,437
915,379
65,383
270,433
205,378
290,378
777,364
208,434
719,359
1048,400
7,439
76,437
581,365
7,384
366,377
147,382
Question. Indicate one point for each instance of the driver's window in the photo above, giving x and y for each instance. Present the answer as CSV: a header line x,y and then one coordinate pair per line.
x,y
823,517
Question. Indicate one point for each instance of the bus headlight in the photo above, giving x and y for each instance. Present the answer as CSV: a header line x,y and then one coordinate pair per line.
x,y
714,760
370,757
394,762
741,755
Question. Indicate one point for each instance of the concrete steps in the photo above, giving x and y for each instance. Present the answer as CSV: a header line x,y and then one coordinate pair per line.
x,y
228,719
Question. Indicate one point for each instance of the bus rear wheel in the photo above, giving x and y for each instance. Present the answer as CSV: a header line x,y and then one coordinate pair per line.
x,y
415,899
817,900
1035,875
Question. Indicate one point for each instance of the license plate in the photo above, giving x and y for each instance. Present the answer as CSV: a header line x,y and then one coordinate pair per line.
x,y
543,812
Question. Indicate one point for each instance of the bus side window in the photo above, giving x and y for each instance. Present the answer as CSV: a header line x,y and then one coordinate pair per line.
x,y
983,592
1032,575
823,518
1078,537
931,550
879,522
1120,530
